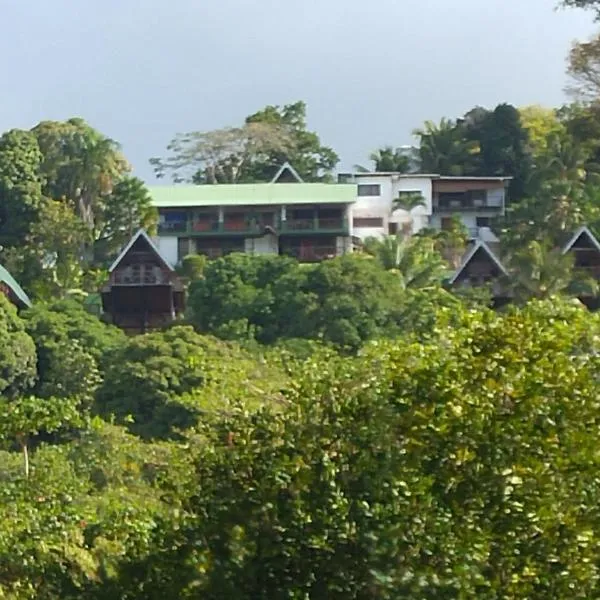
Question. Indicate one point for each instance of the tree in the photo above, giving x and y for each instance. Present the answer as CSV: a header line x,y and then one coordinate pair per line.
x,y
250,153
80,166
310,158
541,124
17,353
64,321
161,383
414,259
444,148
23,418
555,212
222,155
408,201
342,301
52,262
584,69
20,186
126,209
541,271
471,456
394,160
451,242
504,146
588,4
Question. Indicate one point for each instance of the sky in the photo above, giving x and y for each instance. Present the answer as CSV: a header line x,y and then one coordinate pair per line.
x,y
370,72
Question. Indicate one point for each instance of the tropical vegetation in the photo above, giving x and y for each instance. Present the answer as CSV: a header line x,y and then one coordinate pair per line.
x,y
352,429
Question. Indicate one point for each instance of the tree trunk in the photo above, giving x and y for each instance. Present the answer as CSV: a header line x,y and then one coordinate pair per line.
x,y
23,443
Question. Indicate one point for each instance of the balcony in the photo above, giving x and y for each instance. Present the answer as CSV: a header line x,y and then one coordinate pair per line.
x,y
209,228
140,275
311,253
243,227
466,203
315,225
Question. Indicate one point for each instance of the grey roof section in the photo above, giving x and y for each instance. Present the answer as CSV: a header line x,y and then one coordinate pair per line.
x,y
479,245
287,167
584,230
141,233
16,289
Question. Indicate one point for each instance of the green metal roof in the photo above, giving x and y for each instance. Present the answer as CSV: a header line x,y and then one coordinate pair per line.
x,y
17,290
245,194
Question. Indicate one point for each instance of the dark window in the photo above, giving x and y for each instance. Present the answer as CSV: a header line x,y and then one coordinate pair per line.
x,y
392,228
483,222
367,222
369,189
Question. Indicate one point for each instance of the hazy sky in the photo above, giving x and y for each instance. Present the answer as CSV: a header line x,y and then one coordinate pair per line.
x,y
370,71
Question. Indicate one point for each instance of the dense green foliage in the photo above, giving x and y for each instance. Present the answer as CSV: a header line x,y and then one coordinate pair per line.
x,y
17,353
459,465
352,429
67,205
344,301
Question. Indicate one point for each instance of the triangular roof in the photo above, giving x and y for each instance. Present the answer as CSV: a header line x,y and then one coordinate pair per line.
x,y
7,279
287,167
140,234
584,230
479,245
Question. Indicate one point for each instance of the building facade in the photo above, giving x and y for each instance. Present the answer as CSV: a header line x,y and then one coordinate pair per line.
x,y
387,202
309,221
143,291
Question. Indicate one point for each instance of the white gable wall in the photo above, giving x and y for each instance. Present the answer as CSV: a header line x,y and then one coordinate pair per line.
x,y
167,246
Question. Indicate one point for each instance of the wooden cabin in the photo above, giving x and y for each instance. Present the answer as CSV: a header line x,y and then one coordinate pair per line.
x,y
585,249
143,292
481,266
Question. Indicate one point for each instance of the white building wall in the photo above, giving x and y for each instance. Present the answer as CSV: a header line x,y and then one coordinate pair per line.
x,y
266,244
469,220
380,207
167,246
343,245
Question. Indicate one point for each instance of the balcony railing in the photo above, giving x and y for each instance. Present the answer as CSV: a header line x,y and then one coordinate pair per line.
x,y
239,227
311,253
320,224
467,205
136,275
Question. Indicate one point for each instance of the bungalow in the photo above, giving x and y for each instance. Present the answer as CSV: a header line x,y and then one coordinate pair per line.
x,y
585,249
12,290
481,266
143,291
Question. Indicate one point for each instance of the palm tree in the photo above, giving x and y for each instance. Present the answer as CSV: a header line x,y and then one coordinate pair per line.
x,y
395,160
565,161
444,148
415,259
408,201
541,271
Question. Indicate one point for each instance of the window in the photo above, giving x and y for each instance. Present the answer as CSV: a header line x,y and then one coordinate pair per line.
x,y
367,222
368,189
392,228
483,222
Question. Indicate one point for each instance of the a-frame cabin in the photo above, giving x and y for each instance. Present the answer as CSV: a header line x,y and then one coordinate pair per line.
x,y
143,292
480,266
585,249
